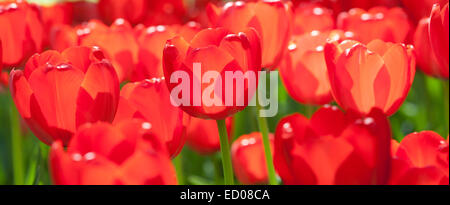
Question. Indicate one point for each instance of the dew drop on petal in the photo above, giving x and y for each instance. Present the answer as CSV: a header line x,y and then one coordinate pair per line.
x,y
379,16
318,11
369,121
365,17
146,126
244,142
251,141
292,47
63,66
287,127
77,157
315,33
349,34
319,48
89,156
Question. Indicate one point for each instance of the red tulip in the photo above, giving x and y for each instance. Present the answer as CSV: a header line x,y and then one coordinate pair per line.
x,y
344,5
1,55
419,9
421,159
367,4
152,41
133,11
426,59
333,148
85,10
4,75
59,13
62,37
394,146
111,41
304,70
21,31
272,19
335,5
310,17
214,50
203,135
439,34
65,36
390,25
59,92
166,12
197,11
102,154
150,100
378,75
249,162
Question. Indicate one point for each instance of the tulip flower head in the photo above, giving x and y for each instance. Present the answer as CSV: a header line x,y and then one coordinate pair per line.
x,y
21,31
376,75
203,135
204,66
166,12
94,33
84,11
390,25
58,92
58,13
111,40
426,59
101,154
149,100
151,42
439,34
133,11
248,157
143,11
419,9
333,148
1,55
339,6
311,17
304,70
271,19
421,159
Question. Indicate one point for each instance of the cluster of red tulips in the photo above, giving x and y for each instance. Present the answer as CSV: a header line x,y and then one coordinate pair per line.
x,y
94,80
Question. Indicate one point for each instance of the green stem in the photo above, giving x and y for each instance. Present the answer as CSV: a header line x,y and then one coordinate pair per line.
x,y
264,128
226,155
445,88
16,146
178,161
217,173
268,153
310,109
34,166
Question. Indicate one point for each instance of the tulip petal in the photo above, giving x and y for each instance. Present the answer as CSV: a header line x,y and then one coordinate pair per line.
x,y
209,37
104,140
53,87
328,120
421,149
355,76
439,34
62,166
99,94
148,168
324,156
